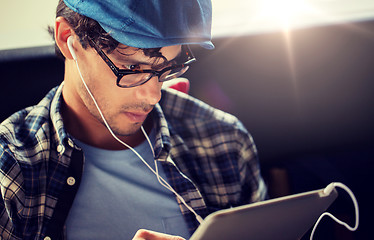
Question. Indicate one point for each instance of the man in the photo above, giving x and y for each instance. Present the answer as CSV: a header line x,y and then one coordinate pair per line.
x,y
109,151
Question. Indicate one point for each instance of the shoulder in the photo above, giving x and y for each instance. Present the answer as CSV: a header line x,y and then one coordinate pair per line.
x,y
212,148
183,111
25,130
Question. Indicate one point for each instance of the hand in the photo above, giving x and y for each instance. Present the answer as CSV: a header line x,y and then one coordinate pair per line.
x,y
143,234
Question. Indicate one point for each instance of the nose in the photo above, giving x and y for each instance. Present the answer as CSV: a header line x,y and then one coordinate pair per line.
x,y
149,92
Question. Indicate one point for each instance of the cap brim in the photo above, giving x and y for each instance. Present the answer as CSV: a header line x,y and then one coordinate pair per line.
x,y
141,41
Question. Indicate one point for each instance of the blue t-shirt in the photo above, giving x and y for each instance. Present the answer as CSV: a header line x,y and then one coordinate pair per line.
x,y
119,195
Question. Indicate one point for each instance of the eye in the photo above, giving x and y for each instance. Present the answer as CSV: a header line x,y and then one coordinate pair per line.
x,y
133,67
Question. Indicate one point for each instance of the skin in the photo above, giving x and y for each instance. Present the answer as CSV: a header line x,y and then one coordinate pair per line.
x,y
143,234
125,109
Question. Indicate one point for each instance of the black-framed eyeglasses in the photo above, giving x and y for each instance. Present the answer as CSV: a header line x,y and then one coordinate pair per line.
x,y
127,78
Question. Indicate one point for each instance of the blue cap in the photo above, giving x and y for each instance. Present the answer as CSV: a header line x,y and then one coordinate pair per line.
x,y
151,23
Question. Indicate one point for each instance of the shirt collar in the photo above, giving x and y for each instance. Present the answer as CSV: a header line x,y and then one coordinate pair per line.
x,y
162,143
56,117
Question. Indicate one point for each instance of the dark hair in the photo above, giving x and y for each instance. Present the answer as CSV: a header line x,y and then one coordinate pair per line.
x,y
87,28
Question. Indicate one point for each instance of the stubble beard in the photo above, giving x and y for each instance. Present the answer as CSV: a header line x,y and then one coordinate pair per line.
x,y
111,119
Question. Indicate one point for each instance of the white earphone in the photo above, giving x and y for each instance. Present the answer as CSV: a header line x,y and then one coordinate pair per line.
x,y
70,46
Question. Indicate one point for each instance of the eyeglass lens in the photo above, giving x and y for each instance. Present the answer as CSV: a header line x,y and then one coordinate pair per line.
x,y
140,78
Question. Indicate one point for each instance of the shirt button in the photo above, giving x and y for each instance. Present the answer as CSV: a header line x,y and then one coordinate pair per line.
x,y
60,148
71,143
47,238
70,181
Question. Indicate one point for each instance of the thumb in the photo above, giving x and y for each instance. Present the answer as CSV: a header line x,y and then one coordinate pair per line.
x,y
143,234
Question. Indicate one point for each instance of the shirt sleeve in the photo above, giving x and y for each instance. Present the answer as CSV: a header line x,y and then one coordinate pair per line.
x,y
253,185
11,197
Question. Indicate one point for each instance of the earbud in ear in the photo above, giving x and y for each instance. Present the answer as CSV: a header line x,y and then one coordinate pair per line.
x,y
70,46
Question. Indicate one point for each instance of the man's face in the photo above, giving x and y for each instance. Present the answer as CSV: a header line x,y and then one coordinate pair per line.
x,y
125,109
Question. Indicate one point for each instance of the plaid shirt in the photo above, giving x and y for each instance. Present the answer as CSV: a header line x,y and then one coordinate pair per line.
x,y
208,156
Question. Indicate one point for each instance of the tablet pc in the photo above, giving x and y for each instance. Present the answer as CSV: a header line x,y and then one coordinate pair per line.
x,y
285,218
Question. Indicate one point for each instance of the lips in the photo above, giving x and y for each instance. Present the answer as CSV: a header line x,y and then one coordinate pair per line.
x,y
137,116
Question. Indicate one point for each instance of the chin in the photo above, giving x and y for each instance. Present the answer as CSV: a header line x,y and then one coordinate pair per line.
x,y
128,131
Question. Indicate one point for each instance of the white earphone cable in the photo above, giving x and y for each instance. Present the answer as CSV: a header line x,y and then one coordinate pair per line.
x,y
354,200
162,181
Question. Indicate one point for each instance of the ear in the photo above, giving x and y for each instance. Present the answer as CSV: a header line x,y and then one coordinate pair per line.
x,y
63,31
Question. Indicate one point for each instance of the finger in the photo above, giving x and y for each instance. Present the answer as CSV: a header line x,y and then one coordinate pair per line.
x,y
143,234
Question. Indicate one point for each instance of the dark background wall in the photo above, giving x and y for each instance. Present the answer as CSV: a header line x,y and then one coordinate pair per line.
x,y
26,77
312,89
306,97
